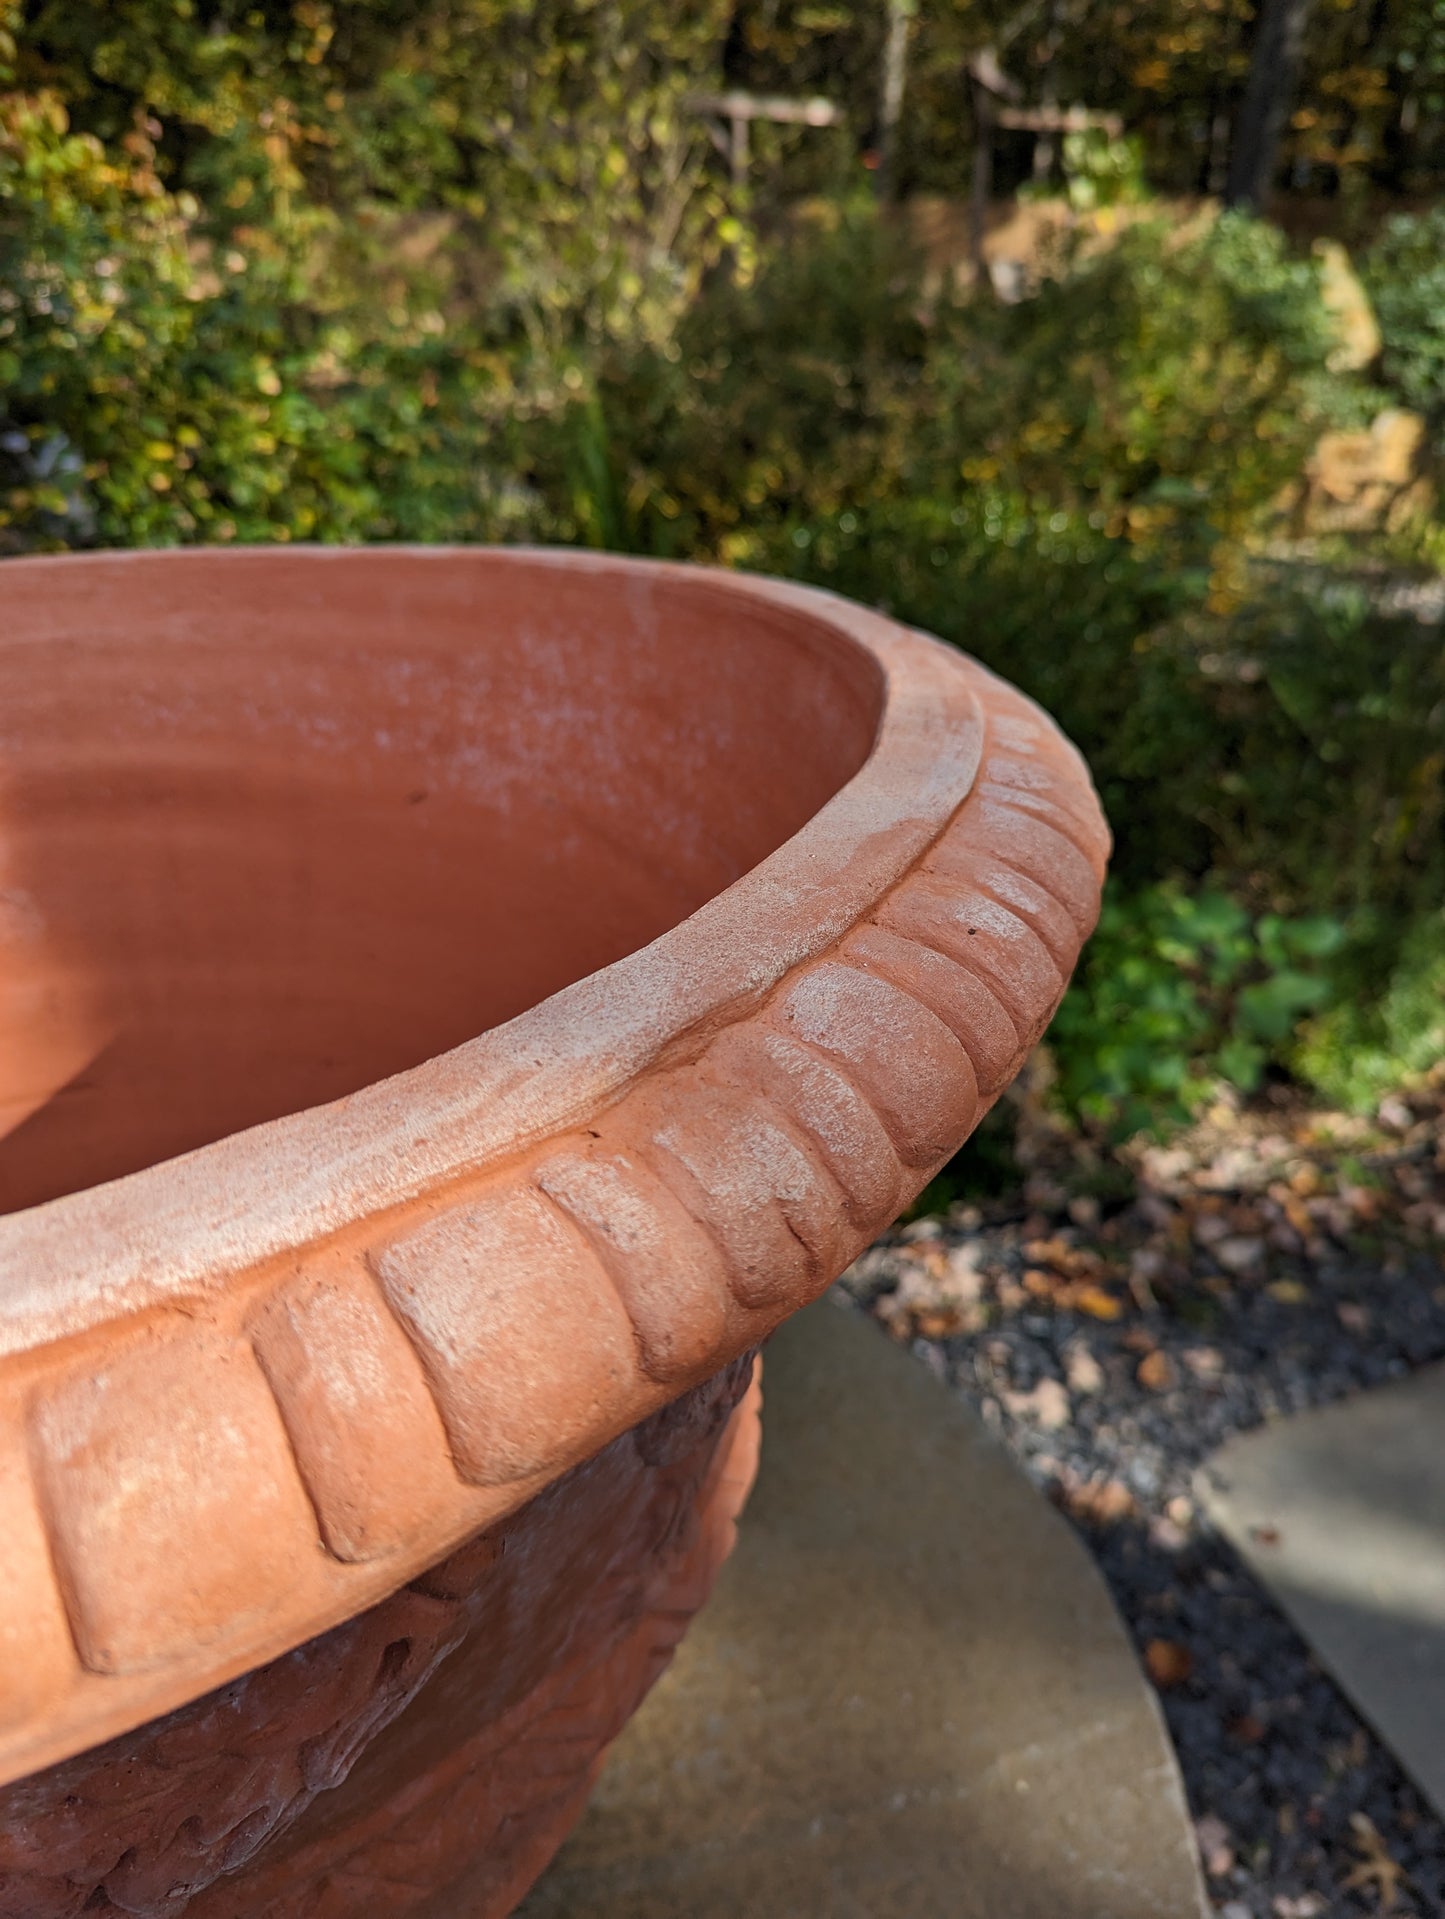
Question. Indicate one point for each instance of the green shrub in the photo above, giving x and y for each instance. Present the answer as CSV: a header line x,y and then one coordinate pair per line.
x,y
801,391
1404,273
1370,1044
157,390
1323,783
557,136
1180,991
1159,391
1102,169
1072,488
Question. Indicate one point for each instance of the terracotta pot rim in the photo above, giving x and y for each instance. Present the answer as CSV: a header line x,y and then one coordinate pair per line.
x,y
192,1220
233,1287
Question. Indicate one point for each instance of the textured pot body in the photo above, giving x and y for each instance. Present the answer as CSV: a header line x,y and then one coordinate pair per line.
x,y
452,1006
429,1755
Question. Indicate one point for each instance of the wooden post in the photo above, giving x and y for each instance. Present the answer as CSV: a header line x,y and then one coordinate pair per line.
x,y
738,148
739,108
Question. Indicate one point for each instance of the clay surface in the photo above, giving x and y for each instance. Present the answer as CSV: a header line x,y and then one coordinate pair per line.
x,y
276,829
455,1728
550,970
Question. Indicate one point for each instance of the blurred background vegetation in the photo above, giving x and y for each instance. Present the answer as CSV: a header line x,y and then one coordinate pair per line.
x,y
1103,337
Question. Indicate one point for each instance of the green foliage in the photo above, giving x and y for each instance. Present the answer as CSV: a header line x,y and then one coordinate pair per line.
x,y
156,391
1318,730
1069,488
1179,991
1161,388
557,134
1405,274
1368,1045
307,272
1102,169
1158,391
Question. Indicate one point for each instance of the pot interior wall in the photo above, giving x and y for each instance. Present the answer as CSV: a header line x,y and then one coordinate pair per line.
x,y
275,826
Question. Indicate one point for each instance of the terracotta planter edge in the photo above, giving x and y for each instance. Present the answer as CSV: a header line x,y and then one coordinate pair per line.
x,y
247,1393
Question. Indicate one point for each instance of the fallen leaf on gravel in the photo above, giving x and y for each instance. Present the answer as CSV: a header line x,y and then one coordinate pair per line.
x,y
965,1281
1167,1663
1039,1283
1298,1215
1215,1852
926,1254
1377,1868
1329,1273
1049,1252
1046,1406
1098,1304
1156,1372
1363,1201
948,1320
1210,1228
1102,1502
1148,1263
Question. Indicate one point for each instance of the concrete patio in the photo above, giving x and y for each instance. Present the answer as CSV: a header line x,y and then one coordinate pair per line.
x,y
910,1695
1341,1514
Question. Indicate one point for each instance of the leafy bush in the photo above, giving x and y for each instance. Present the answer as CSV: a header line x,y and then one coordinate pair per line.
x,y
1071,488
798,391
1159,391
1178,992
557,136
157,390
1367,1046
1102,169
1321,717
1405,274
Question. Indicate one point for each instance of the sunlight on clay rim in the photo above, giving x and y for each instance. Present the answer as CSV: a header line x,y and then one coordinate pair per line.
x,y
185,1225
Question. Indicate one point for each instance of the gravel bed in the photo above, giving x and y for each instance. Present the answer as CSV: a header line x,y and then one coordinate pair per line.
x,y
1263,1265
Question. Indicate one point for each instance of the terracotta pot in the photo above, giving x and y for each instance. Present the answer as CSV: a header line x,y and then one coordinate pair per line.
x,y
453,1005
